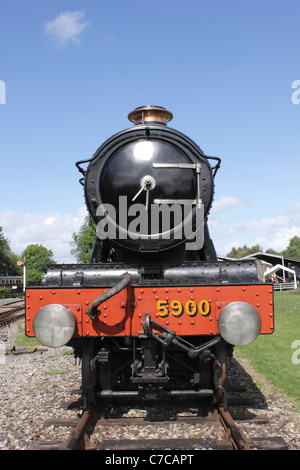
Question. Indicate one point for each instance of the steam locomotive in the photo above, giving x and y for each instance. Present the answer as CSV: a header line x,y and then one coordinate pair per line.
x,y
154,314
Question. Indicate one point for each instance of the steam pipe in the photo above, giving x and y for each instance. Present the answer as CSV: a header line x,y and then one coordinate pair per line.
x,y
92,311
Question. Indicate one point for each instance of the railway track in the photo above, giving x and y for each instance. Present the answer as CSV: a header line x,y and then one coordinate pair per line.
x,y
11,311
91,431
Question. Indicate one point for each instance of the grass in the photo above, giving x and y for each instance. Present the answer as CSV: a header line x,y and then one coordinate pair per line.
x,y
277,356
22,340
56,372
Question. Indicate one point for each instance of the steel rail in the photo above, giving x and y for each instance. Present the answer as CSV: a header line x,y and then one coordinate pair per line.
x,y
9,316
83,429
239,441
78,439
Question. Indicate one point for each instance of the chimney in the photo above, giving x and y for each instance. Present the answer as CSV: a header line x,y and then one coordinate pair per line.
x,y
150,115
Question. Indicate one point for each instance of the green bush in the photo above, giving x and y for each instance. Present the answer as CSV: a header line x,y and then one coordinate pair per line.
x,y
4,291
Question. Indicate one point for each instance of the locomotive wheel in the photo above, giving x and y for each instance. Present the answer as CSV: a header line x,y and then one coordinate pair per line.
x,y
88,382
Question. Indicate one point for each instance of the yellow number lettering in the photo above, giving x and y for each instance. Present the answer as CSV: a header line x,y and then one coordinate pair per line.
x,y
162,307
191,308
204,308
177,308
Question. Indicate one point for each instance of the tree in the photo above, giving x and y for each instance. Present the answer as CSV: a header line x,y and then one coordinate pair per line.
x,y
37,260
293,249
8,259
83,241
243,251
270,251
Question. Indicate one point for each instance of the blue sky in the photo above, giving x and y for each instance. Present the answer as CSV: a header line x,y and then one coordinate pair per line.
x,y
71,71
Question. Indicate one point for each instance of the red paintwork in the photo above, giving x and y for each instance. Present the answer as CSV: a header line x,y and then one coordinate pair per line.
x,y
123,314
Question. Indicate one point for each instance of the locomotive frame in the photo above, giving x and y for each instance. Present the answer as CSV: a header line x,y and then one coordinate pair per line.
x,y
157,321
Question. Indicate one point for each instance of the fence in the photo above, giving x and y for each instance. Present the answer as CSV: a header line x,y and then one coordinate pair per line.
x,y
283,286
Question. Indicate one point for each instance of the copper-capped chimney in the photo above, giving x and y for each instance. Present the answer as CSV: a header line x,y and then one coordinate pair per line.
x,y
150,114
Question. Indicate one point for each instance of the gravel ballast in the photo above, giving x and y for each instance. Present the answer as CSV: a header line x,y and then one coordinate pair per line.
x,y
35,387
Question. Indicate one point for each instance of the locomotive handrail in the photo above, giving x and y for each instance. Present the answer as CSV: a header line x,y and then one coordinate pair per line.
x,y
92,311
217,165
82,170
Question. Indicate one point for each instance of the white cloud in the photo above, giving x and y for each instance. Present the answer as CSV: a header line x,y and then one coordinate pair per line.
x,y
54,231
295,208
226,202
269,232
273,232
49,220
66,27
